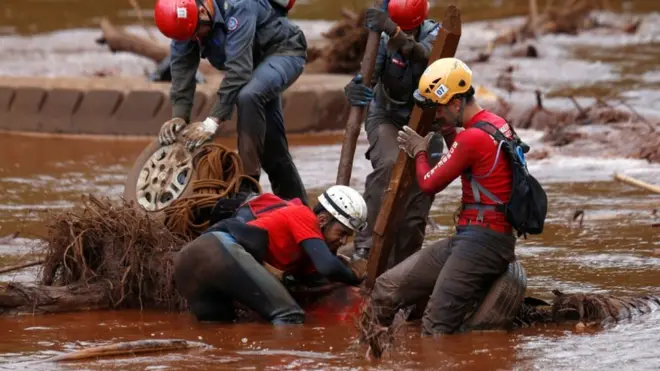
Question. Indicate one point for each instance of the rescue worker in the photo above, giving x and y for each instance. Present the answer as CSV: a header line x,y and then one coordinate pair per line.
x,y
262,53
405,44
226,263
456,272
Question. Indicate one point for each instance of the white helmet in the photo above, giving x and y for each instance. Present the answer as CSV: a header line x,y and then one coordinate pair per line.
x,y
346,205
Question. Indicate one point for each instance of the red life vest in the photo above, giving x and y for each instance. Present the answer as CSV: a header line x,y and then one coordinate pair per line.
x,y
266,202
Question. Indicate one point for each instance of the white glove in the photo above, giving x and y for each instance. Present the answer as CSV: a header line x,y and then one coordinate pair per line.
x,y
199,132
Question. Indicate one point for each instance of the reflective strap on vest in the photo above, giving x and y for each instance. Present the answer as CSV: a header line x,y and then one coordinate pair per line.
x,y
477,189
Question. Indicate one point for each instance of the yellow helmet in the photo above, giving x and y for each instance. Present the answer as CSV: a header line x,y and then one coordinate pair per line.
x,y
442,80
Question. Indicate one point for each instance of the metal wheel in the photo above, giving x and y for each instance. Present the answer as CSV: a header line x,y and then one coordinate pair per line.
x,y
159,176
164,177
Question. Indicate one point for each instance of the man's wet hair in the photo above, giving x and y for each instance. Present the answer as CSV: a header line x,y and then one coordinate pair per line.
x,y
468,95
319,209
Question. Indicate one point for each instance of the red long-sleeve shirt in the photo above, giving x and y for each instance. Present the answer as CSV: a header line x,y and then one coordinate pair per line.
x,y
475,150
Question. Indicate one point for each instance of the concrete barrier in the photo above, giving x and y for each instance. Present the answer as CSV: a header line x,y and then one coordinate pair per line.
x,y
58,109
24,111
124,106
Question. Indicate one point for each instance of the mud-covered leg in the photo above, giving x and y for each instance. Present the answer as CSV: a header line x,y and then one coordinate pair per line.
x,y
258,116
383,151
252,285
195,269
466,276
408,282
412,227
214,269
277,162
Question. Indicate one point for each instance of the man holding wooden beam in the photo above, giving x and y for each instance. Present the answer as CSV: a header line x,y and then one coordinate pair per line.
x,y
499,198
405,44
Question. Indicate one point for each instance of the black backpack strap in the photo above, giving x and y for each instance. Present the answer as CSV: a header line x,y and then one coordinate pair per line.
x,y
492,130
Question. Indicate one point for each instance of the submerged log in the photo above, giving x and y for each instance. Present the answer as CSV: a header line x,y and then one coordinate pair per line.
x,y
594,309
18,298
129,348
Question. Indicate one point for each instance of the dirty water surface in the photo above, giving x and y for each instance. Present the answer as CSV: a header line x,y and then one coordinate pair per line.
x,y
34,16
615,251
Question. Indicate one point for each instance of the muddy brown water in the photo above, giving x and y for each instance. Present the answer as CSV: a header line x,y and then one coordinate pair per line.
x,y
614,251
33,16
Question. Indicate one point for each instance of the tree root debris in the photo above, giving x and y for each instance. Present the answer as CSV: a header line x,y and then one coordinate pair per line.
x,y
117,244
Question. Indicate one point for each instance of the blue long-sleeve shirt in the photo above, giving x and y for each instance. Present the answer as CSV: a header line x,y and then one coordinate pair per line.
x,y
244,32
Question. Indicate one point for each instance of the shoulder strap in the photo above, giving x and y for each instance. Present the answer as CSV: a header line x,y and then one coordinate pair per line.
x,y
491,130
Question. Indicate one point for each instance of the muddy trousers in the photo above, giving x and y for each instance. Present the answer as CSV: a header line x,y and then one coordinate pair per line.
x,y
383,152
213,270
453,274
261,136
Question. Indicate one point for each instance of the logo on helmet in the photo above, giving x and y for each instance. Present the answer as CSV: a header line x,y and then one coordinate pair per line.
x,y
441,90
232,24
181,13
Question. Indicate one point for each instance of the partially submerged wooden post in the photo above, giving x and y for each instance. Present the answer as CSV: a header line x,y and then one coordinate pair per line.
x,y
637,183
130,348
356,114
445,46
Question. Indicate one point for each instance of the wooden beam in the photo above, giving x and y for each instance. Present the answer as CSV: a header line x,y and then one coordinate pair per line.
x,y
356,114
403,173
637,183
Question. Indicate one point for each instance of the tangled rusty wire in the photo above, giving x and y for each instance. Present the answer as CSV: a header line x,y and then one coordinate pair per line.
x,y
218,174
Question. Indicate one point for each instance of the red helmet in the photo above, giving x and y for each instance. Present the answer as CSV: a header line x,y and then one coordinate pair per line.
x,y
408,14
177,19
286,4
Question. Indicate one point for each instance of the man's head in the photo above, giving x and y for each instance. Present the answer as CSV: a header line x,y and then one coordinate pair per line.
x,y
341,211
408,14
184,19
446,84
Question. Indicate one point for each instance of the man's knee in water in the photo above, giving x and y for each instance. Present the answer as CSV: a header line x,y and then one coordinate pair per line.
x,y
297,318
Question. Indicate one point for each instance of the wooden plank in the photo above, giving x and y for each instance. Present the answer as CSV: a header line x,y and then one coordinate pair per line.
x,y
403,173
637,183
356,114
